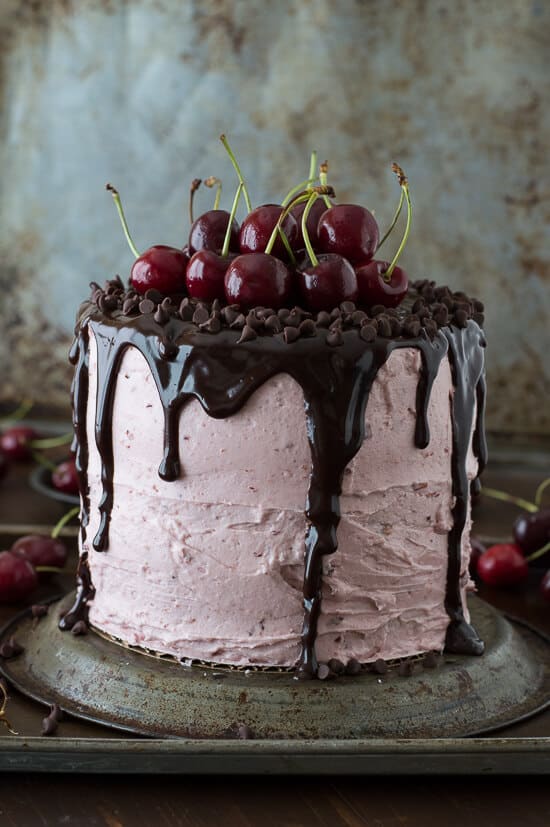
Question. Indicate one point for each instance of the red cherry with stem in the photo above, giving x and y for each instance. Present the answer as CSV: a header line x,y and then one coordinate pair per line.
x,y
41,551
545,586
312,223
329,279
258,226
375,287
65,478
258,279
18,579
502,565
160,267
208,232
532,531
348,230
16,443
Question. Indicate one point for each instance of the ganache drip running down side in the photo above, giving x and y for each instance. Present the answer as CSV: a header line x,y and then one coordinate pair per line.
x,y
336,384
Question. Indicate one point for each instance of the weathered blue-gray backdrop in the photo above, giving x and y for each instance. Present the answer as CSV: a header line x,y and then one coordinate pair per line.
x,y
138,93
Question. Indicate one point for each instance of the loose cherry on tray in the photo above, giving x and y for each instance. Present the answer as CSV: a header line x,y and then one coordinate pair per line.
x,y
160,267
15,442
502,565
65,478
348,230
41,550
545,587
4,465
383,282
18,578
532,531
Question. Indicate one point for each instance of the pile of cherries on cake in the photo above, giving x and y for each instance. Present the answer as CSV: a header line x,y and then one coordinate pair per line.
x,y
307,251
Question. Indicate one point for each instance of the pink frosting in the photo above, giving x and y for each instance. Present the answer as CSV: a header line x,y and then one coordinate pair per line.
x,y
211,566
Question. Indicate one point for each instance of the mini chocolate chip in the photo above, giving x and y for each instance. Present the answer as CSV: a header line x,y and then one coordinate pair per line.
x,y
146,306
238,323
392,312
107,303
200,315
323,319
431,660
368,333
307,327
323,671
441,315
353,667
384,327
293,319
335,314
337,324
395,325
358,317
380,667
213,325
273,324
253,321
49,725
430,327
479,318
479,307
153,295
347,307
423,313
291,334
247,335
186,310
335,338
244,732
406,668
377,309
460,318
160,315
230,313
283,313
448,302
336,666
39,610
411,327
130,306
216,305
80,628
417,305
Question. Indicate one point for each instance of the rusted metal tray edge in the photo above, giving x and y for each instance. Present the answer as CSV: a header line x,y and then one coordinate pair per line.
x,y
509,756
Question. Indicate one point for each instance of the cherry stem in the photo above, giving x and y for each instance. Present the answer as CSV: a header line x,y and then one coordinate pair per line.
x,y
64,520
305,215
227,237
43,461
118,205
277,229
212,181
237,169
20,412
53,569
195,184
323,170
404,184
495,494
394,219
536,554
52,442
540,491
303,184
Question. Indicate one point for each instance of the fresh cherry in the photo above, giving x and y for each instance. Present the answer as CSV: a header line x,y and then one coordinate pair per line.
x,y
208,232
325,285
18,579
477,548
502,565
65,478
205,275
317,211
16,442
545,586
258,279
41,550
376,288
532,531
348,230
258,225
160,267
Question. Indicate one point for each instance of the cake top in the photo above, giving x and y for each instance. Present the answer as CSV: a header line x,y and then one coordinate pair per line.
x,y
304,268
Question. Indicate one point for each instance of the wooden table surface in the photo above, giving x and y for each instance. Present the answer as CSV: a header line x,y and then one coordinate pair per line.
x,y
124,801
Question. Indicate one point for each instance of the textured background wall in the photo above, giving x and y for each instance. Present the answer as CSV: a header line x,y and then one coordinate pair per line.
x,y
139,92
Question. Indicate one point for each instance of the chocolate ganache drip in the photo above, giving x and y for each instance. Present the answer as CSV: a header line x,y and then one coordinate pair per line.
x,y
335,368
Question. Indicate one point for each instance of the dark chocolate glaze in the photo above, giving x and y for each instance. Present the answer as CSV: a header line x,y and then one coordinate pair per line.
x,y
84,593
336,382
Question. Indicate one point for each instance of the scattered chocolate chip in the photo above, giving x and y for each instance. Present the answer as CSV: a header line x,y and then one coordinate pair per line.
x,y
153,295
253,321
323,318
247,335
368,333
336,666
80,628
146,306
411,327
380,667
130,306
216,306
290,334
441,315
430,327
479,307
396,327
283,313
238,323
358,317
160,315
39,610
50,722
353,667
378,309
323,671
335,314
213,325
418,304
335,338
230,313
200,315
347,307
431,660
293,319
479,318
273,324
307,327
244,733
461,318
186,310
384,327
